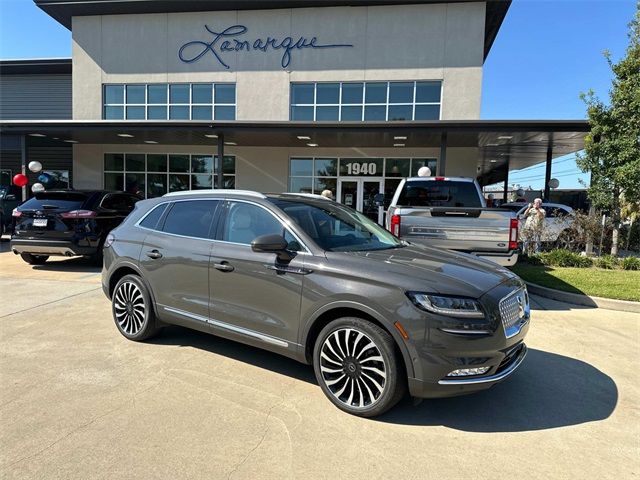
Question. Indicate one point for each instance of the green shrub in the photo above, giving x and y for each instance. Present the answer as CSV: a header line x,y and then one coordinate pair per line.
x,y
630,263
608,262
564,258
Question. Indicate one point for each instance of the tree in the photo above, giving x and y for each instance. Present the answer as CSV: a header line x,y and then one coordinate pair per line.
x,y
612,147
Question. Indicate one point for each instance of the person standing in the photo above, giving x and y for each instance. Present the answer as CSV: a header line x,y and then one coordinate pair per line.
x,y
533,225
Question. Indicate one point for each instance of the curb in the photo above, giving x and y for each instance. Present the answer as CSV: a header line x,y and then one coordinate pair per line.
x,y
585,300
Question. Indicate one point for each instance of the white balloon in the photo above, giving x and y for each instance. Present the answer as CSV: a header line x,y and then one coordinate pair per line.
x,y
554,183
424,172
35,167
37,188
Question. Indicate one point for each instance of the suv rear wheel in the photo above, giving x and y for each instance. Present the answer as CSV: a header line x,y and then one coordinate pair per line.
x,y
132,310
357,367
34,259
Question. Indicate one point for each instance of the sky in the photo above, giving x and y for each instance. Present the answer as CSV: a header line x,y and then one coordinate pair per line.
x,y
546,53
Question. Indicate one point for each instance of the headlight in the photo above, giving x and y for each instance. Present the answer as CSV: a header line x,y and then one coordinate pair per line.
x,y
443,305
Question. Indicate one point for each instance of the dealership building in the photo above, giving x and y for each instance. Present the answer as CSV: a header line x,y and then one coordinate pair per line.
x,y
293,96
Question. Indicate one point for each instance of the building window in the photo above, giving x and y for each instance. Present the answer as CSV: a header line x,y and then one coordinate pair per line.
x,y
154,174
366,101
174,101
313,175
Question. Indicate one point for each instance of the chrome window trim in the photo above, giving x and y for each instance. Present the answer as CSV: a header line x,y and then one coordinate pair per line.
x,y
306,251
227,326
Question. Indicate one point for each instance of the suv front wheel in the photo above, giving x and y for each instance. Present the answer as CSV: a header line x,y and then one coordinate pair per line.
x,y
357,367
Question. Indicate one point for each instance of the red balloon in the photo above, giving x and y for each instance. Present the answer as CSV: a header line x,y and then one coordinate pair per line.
x,y
20,180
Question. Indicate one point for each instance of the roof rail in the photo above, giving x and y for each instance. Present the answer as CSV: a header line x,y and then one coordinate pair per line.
x,y
310,195
223,191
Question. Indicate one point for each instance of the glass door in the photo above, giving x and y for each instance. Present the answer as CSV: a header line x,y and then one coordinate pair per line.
x,y
359,193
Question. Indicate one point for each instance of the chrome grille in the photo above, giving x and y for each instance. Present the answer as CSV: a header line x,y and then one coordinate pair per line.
x,y
514,311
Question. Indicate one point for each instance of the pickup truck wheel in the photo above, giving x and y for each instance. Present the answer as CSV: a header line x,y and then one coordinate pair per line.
x,y
34,259
132,310
357,367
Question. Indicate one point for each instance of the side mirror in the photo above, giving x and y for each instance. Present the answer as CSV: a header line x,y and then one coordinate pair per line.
x,y
272,243
10,198
378,199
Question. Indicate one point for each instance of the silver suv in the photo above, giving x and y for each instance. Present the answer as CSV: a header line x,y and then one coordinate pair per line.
x,y
316,281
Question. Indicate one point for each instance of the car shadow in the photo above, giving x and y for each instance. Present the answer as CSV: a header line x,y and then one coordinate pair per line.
x,y
174,335
74,264
548,390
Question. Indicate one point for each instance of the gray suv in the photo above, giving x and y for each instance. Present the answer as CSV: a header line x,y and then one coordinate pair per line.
x,y
316,281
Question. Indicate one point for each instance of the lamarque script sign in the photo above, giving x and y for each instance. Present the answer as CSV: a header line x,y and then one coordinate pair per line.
x,y
228,41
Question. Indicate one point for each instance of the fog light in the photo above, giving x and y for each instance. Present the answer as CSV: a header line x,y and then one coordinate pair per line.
x,y
463,372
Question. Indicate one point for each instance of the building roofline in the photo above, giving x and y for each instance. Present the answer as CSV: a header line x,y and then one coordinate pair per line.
x,y
64,10
35,66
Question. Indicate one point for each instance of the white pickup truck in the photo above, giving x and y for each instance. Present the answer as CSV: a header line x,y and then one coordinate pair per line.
x,y
450,212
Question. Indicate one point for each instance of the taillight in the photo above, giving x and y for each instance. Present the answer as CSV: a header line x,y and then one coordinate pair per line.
x,y
513,234
16,213
440,179
395,225
79,214
109,240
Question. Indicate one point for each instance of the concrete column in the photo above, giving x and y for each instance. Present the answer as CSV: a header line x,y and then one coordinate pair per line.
x,y
506,182
442,164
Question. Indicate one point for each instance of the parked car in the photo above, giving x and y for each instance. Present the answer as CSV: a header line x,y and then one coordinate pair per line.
x,y
68,223
450,212
10,198
558,218
323,284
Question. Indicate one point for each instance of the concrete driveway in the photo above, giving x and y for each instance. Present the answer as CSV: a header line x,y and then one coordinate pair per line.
x,y
80,401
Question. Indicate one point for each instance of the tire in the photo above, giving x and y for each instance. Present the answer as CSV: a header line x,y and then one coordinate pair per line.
x,y
34,259
132,309
368,379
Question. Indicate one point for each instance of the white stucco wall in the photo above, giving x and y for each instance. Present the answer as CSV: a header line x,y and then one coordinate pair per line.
x,y
412,42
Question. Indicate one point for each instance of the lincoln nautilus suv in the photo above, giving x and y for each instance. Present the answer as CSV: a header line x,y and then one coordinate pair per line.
x,y
314,280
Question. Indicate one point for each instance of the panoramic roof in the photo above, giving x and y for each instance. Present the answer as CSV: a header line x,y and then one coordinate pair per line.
x,y
64,10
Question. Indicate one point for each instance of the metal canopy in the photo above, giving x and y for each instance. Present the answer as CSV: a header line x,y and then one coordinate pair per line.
x,y
502,144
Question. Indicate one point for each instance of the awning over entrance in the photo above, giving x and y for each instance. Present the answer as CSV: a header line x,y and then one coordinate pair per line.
x,y
503,145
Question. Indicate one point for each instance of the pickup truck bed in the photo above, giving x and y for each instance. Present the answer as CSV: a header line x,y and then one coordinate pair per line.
x,y
451,213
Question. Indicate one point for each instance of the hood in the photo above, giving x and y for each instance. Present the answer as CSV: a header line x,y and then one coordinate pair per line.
x,y
420,268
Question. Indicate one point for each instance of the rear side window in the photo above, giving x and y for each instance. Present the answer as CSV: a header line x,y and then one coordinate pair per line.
x,y
439,194
55,200
191,218
151,220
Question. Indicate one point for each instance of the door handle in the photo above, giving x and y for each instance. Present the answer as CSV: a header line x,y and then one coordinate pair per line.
x,y
224,267
154,254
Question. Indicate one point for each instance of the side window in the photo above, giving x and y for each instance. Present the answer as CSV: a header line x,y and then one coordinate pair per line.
x,y
151,220
119,202
191,218
245,222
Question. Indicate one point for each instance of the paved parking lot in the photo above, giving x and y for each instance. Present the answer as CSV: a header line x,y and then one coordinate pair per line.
x,y
80,401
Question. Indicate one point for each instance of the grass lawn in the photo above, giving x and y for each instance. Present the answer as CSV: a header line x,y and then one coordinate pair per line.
x,y
597,282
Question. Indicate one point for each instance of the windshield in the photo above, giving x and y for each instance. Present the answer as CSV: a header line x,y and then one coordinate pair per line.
x,y
337,228
55,200
434,193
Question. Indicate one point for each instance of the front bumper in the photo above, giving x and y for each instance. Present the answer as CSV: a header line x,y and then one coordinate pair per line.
x,y
50,247
454,386
497,344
